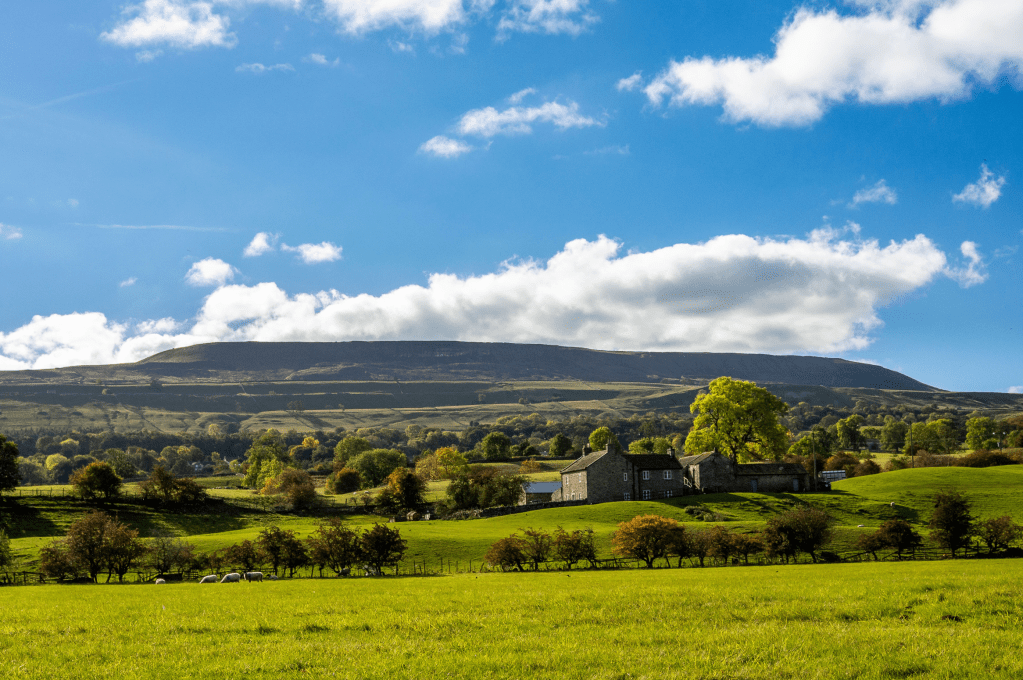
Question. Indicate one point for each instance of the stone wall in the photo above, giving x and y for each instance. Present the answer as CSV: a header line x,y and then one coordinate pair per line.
x,y
657,485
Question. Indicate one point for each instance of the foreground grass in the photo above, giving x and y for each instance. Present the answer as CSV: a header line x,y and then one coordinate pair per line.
x,y
943,620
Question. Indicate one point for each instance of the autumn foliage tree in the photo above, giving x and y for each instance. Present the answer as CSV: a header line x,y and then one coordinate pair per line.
x,y
573,547
508,552
646,538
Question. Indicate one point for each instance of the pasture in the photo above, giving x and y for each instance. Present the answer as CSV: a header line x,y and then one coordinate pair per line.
x,y
880,620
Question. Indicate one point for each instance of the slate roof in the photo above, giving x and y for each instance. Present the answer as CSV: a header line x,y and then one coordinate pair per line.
x,y
541,487
653,461
584,462
770,468
691,460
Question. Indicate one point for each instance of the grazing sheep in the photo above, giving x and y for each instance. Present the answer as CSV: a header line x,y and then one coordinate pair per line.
x,y
233,577
273,577
159,581
251,576
212,578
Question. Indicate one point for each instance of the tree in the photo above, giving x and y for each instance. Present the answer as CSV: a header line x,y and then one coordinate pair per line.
x,y
482,487
10,476
382,547
123,549
345,480
893,434
6,555
801,530
164,486
645,538
294,555
898,535
375,465
978,431
335,546
295,485
722,543
538,546
87,542
738,419
999,533
349,448
244,554
560,446
404,490
603,437
507,552
167,553
952,522
273,544
268,448
121,463
97,479
848,431
496,446
571,548
55,561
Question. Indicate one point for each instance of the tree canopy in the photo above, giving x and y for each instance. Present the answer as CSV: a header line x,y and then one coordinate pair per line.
x,y
9,474
738,419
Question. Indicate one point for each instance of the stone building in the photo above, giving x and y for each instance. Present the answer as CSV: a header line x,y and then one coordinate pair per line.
x,y
604,476
538,492
713,472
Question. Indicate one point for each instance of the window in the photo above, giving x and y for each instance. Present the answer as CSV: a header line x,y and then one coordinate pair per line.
x,y
667,474
626,478
627,496
667,494
646,475
646,494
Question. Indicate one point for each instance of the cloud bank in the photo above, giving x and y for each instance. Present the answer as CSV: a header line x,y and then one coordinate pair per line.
x,y
186,25
895,51
732,293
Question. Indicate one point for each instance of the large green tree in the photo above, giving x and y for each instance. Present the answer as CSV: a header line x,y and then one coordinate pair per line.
x,y
738,419
9,474
267,448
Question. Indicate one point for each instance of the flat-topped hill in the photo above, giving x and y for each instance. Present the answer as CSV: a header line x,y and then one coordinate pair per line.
x,y
409,360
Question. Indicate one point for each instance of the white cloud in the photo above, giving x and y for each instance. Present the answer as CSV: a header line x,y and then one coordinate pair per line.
x,y
315,253
361,16
631,83
9,233
178,23
546,16
879,193
615,150
261,243
210,272
892,52
488,122
520,95
445,147
399,47
128,282
974,272
1016,389
322,60
146,56
984,191
731,293
260,68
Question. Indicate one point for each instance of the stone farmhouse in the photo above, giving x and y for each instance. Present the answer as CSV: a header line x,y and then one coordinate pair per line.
x,y
605,476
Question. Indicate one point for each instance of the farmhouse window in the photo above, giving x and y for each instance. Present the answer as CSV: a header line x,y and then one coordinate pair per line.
x,y
667,474
667,494
646,474
626,476
646,494
627,496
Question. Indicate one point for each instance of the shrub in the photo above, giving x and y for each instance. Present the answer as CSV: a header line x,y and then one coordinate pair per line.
x,y
983,458
801,530
507,552
952,523
999,533
96,479
864,468
345,480
646,538
571,548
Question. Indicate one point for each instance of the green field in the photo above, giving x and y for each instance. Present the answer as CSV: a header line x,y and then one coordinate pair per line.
x,y
931,619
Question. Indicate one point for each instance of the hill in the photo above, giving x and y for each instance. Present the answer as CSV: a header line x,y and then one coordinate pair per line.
x,y
467,361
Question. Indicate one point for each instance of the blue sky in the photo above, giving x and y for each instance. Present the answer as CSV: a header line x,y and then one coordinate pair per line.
x,y
836,179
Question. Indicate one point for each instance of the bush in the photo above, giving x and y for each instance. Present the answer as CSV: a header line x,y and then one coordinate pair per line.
x,y
952,523
295,485
507,552
96,479
571,548
647,538
999,533
801,530
864,468
983,458
345,480
164,486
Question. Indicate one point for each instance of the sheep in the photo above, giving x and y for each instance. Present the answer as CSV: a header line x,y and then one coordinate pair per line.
x,y
159,581
212,578
251,576
233,577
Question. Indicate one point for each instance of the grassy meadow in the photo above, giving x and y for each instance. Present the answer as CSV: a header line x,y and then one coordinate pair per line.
x,y
879,620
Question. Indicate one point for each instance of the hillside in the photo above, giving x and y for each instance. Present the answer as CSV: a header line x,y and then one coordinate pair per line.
x,y
467,361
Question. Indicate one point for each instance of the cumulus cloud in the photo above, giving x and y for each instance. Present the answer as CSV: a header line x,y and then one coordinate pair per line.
x,y
546,16
1016,389
315,253
128,282
520,95
879,193
210,272
984,191
361,16
445,147
321,60
732,293
260,68
9,233
974,271
146,56
488,122
633,82
178,23
261,244
894,51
